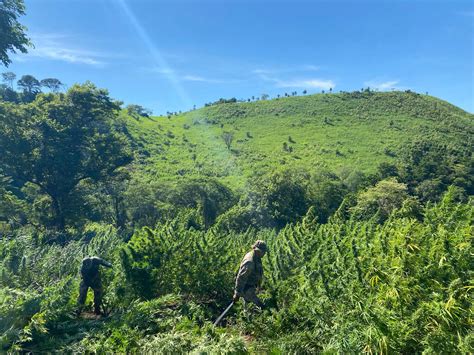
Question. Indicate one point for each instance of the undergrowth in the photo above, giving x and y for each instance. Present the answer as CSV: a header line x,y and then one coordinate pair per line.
x,y
346,286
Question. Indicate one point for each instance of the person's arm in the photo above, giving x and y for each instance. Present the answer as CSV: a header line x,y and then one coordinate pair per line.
x,y
103,262
106,263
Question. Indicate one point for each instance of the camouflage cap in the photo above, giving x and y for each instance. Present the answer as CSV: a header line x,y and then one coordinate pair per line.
x,y
260,245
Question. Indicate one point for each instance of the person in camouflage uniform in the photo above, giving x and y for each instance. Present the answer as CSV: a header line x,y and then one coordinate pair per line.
x,y
250,274
91,278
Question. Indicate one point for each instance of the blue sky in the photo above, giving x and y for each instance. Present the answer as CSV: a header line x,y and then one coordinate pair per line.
x,y
171,55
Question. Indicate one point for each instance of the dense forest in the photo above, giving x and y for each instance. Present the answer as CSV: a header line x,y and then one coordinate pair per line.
x,y
364,198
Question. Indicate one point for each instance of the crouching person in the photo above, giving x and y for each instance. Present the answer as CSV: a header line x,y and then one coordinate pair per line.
x,y
90,277
250,274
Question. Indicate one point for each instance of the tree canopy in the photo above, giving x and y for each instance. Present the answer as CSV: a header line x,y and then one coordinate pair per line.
x,y
29,84
52,84
57,141
8,78
13,37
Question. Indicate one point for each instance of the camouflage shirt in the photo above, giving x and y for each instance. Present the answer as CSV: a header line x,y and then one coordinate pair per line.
x,y
250,273
90,267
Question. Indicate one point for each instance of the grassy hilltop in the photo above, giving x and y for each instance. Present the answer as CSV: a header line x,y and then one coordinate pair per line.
x,y
339,132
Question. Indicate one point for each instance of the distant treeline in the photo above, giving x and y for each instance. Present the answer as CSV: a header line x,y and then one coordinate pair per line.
x,y
28,87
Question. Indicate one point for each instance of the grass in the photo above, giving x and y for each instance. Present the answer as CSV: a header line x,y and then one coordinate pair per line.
x,y
338,132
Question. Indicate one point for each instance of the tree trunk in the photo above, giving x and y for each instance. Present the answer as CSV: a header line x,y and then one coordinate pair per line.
x,y
59,220
120,216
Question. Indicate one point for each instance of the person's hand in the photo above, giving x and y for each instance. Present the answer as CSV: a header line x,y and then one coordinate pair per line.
x,y
236,297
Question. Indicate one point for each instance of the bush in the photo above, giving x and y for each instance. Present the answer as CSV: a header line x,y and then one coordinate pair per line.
x,y
386,196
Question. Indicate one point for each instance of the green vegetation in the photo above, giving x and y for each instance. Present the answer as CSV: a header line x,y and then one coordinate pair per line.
x,y
346,286
13,37
28,85
344,133
365,201
58,141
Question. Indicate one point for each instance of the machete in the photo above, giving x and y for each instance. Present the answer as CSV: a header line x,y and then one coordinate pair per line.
x,y
218,320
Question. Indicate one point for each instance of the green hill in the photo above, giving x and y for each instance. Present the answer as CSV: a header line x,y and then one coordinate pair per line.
x,y
379,263
338,132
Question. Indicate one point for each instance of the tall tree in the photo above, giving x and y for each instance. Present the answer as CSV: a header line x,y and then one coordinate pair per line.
x,y
57,141
13,37
29,84
52,84
9,78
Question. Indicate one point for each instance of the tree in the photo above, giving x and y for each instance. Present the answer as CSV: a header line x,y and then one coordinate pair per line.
x,y
57,141
13,36
29,84
384,197
52,84
7,94
228,137
31,87
210,197
385,170
265,96
282,196
138,111
326,192
9,78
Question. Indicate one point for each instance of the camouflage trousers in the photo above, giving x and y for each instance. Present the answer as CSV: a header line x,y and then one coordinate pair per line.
x,y
250,296
96,286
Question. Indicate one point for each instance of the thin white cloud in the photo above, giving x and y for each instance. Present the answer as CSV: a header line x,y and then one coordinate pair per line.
x,y
292,69
66,55
160,70
187,77
261,71
310,67
306,84
202,79
303,83
196,78
382,86
56,47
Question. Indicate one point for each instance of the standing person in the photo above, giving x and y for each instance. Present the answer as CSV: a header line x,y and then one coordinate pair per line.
x,y
91,278
250,274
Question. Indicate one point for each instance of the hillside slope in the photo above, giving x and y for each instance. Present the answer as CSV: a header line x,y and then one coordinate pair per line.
x,y
338,132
